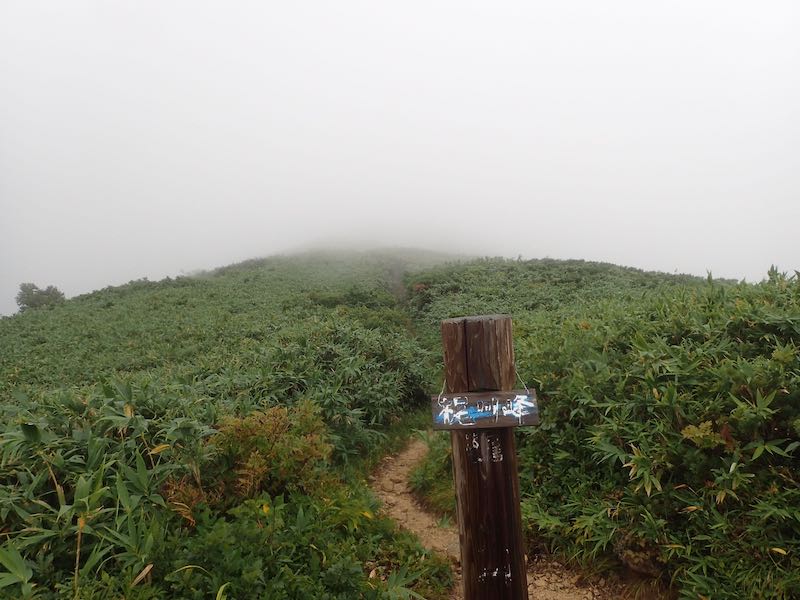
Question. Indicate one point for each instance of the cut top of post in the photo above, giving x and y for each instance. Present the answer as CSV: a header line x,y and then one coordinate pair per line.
x,y
478,353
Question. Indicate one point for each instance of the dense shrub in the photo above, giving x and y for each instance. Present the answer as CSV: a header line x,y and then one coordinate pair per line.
x,y
669,439
361,378
31,296
277,451
304,548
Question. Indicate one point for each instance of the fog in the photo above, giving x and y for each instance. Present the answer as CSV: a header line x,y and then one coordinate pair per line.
x,y
145,139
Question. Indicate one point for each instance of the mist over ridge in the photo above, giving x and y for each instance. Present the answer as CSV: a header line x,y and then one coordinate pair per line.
x,y
149,141
354,251
399,259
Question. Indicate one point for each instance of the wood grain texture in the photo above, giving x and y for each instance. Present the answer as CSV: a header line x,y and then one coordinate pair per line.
x,y
485,463
455,355
490,353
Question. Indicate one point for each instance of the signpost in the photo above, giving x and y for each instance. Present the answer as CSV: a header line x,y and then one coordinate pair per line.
x,y
480,410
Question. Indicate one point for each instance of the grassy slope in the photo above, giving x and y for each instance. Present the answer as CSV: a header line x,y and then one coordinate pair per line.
x,y
125,410
161,326
671,417
541,296
126,446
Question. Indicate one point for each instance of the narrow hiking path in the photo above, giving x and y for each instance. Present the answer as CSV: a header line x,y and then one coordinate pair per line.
x,y
547,579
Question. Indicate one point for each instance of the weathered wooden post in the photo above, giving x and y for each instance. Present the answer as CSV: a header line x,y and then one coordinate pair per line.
x,y
480,409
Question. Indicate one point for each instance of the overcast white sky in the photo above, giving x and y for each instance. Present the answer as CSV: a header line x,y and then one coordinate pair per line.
x,y
149,138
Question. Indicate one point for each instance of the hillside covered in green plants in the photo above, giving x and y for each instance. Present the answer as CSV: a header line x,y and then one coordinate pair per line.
x,y
670,431
209,436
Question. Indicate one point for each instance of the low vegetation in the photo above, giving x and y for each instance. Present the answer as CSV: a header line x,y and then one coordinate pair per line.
x,y
209,436
671,419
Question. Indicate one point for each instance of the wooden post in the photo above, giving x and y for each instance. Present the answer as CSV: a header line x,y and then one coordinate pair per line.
x,y
479,357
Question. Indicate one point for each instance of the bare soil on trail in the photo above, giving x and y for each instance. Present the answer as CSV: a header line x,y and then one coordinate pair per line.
x,y
547,579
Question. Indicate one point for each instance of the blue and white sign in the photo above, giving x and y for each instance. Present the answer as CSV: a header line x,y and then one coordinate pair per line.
x,y
471,410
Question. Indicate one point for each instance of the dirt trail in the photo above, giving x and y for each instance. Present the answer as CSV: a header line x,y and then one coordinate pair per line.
x,y
547,580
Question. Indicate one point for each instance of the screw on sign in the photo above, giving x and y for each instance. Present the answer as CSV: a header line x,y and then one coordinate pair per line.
x,y
480,409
